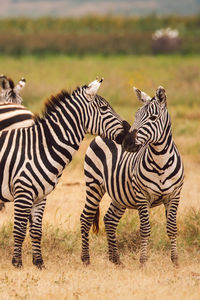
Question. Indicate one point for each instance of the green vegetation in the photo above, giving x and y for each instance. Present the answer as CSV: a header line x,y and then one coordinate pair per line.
x,y
105,35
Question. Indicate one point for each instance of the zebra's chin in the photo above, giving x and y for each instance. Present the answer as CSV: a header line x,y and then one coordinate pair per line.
x,y
122,135
129,143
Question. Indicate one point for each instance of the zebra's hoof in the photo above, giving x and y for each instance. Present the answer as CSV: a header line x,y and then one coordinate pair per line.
x,y
143,261
38,262
2,206
17,263
119,264
142,265
116,261
86,261
175,262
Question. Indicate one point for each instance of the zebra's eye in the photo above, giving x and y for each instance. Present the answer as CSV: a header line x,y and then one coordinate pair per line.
x,y
153,118
104,107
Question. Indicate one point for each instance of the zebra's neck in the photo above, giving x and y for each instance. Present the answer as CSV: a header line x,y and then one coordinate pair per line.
x,y
62,128
161,153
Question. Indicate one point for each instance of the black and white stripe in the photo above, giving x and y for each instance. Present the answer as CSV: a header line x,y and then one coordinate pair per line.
x,y
150,176
12,114
32,159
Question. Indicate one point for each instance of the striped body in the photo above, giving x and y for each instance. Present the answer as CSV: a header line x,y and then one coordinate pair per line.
x,y
32,159
13,116
141,180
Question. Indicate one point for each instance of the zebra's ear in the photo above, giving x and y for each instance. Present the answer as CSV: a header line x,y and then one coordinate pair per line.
x,y
161,95
142,96
20,85
93,87
4,82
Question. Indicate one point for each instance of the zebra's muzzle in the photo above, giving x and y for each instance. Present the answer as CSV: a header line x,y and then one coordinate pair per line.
x,y
120,137
129,143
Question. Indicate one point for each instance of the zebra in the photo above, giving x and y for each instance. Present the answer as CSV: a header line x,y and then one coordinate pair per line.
x,y
13,115
9,92
32,159
144,172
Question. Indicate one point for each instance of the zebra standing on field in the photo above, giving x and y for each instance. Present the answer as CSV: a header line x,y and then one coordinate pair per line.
x,y
32,159
150,177
13,115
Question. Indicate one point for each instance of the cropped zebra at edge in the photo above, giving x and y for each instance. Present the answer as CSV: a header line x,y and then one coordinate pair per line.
x,y
9,92
150,174
13,115
32,159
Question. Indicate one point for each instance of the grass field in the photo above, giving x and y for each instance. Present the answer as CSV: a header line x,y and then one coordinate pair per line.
x,y
65,277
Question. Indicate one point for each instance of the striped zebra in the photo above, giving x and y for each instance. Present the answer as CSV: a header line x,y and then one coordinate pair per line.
x,y
149,174
12,115
9,92
32,159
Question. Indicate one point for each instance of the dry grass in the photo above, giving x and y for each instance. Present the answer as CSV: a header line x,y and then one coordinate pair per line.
x,y
66,278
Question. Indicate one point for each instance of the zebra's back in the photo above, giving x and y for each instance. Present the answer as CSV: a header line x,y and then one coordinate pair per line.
x,y
14,116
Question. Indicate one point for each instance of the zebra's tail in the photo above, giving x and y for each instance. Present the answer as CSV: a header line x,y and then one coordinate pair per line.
x,y
95,226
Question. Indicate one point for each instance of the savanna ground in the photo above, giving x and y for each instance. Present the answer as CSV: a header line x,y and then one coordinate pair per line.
x,y
65,277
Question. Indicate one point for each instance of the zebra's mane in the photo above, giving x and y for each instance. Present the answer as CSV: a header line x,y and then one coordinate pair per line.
x,y
52,103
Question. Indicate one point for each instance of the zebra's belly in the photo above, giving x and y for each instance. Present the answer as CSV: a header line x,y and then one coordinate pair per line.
x,y
122,193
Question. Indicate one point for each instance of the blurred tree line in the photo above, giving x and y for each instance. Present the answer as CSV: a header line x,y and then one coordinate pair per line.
x,y
105,35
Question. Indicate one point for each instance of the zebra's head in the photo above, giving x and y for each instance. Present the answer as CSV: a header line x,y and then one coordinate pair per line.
x,y
101,119
9,92
150,121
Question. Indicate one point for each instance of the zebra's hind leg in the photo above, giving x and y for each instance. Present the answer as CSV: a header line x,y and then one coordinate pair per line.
x,y
36,232
111,220
171,212
94,194
145,230
22,209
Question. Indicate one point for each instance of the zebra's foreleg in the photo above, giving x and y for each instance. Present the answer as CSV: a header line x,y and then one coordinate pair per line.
x,y
36,232
145,230
171,212
94,194
111,220
22,209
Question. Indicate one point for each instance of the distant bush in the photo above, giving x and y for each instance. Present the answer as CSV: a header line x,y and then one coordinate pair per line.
x,y
105,35
166,41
